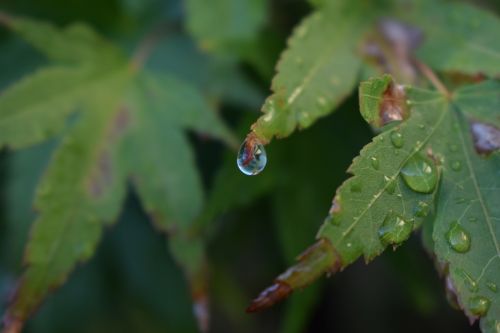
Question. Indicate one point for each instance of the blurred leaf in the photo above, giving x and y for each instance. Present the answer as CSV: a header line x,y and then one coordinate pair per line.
x,y
219,77
84,185
459,37
220,24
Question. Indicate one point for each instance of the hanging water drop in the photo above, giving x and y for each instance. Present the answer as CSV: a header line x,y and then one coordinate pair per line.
x,y
458,238
456,165
472,219
395,229
420,174
397,139
479,305
252,157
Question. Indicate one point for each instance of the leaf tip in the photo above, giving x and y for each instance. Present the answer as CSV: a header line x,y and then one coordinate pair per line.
x,y
270,296
318,259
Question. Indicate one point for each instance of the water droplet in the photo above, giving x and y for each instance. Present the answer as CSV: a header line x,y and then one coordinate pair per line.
x,y
460,200
422,209
420,174
375,163
397,139
252,157
355,186
453,147
456,165
469,281
395,229
491,286
479,305
472,219
458,238
421,126
391,185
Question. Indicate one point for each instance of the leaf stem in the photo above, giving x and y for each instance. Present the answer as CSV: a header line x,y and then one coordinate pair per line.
x,y
432,77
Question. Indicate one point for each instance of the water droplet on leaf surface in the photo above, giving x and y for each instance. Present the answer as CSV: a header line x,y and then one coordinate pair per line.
x,y
397,139
252,157
458,238
391,185
420,174
479,305
375,163
356,186
492,286
422,209
395,229
456,165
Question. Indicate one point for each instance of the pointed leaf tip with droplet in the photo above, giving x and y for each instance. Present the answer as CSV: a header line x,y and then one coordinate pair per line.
x,y
317,260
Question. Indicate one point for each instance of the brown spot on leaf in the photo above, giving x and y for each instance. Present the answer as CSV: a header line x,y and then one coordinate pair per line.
x,y
486,137
102,175
120,123
335,206
393,106
5,19
318,259
451,293
12,325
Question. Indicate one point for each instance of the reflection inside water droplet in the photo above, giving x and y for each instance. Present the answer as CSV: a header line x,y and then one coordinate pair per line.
x,y
422,209
395,229
420,174
479,305
397,139
458,238
252,157
374,162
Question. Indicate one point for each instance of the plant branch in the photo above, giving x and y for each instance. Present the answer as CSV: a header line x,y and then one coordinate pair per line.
x,y
432,77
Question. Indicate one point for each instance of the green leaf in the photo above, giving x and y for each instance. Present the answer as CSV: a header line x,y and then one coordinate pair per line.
x,y
223,23
77,43
315,73
459,37
164,174
433,158
128,123
36,108
83,188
